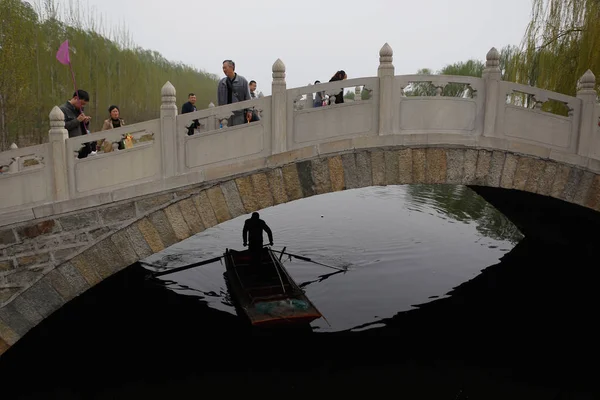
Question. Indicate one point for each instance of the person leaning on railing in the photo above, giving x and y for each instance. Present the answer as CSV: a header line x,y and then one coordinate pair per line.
x,y
339,76
252,113
114,121
188,107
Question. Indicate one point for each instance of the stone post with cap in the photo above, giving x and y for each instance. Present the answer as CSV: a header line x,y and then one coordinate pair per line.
x,y
170,151
385,72
58,154
491,77
278,109
588,128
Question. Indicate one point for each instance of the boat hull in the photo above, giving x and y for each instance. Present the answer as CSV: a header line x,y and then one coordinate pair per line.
x,y
264,293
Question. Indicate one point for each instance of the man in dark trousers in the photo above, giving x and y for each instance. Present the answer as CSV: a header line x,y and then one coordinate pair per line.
x,y
253,236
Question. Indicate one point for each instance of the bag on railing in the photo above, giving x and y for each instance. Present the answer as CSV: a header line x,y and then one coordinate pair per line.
x,y
191,127
107,146
128,141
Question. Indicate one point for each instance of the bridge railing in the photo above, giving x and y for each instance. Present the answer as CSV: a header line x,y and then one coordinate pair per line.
x,y
308,125
28,178
42,180
216,143
560,132
595,151
459,112
138,162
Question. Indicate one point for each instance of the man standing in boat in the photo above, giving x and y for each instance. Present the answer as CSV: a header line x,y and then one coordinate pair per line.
x,y
253,236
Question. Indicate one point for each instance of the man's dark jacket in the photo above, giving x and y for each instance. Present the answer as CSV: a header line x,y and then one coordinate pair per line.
x,y
253,231
74,127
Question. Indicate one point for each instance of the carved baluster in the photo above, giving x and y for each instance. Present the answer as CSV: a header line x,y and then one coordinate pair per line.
x,y
211,123
331,99
298,103
357,93
539,101
14,165
570,109
472,91
309,100
224,122
402,91
333,94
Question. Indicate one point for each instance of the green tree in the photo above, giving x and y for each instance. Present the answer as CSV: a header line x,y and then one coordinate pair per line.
x,y
561,42
467,68
17,23
113,70
423,88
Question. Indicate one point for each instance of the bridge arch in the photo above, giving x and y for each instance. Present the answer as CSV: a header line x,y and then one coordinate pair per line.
x,y
176,215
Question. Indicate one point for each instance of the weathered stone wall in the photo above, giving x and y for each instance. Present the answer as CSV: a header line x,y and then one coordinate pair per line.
x,y
46,263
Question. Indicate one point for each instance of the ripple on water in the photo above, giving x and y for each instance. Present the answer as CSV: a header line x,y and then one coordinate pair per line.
x,y
403,244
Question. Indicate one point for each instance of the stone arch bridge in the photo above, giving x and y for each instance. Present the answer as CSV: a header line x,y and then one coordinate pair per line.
x,y
66,223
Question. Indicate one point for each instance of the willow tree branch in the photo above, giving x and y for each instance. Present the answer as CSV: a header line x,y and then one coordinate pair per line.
x,y
560,35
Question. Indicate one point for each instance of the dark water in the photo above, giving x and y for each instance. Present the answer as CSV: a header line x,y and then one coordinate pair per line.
x,y
444,299
402,244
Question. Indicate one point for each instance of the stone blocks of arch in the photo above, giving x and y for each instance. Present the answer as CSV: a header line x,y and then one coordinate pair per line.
x,y
177,215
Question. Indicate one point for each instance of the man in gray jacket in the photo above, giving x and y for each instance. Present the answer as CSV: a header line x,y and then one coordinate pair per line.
x,y
233,88
76,121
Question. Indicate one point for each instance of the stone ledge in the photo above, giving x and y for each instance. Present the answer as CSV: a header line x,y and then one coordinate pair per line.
x,y
241,167
196,178
72,205
278,160
15,217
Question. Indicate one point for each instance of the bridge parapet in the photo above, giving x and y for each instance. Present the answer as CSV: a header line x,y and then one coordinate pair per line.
x,y
438,113
212,146
28,177
308,125
49,179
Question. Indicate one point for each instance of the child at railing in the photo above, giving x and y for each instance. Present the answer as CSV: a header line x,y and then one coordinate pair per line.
x,y
251,116
319,97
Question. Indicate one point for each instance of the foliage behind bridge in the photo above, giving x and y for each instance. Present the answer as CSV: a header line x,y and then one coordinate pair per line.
x,y
113,71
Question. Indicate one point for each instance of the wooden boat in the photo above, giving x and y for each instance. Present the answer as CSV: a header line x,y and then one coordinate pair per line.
x,y
264,292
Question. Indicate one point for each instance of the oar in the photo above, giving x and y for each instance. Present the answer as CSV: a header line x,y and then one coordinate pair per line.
x,y
173,270
320,279
315,262
282,251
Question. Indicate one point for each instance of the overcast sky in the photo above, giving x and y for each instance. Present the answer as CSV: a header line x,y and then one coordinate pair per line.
x,y
316,38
